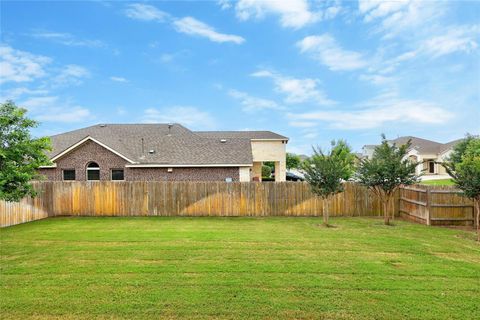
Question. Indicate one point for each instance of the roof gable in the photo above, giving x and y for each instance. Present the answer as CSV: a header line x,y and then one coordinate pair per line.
x,y
158,144
81,142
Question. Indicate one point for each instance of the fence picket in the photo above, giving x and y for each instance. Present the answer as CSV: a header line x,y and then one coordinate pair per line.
x,y
161,198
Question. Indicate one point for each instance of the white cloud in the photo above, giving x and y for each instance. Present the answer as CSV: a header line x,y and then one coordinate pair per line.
x,y
376,79
293,13
378,112
121,111
21,66
118,79
454,39
61,114
188,116
325,49
51,109
224,4
15,93
251,104
167,57
302,124
441,41
140,11
192,26
39,102
71,75
66,39
187,25
396,17
296,90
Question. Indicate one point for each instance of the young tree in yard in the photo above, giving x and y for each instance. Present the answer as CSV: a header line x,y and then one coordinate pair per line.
x,y
326,172
464,167
20,154
386,171
293,161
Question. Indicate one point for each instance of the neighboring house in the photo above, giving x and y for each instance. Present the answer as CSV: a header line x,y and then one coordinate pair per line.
x,y
429,153
163,152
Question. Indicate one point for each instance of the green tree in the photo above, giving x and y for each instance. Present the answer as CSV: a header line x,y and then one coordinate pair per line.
x,y
326,172
342,151
266,171
459,150
20,154
386,171
464,167
293,161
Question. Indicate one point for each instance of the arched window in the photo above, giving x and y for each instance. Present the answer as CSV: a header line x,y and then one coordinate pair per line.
x,y
93,171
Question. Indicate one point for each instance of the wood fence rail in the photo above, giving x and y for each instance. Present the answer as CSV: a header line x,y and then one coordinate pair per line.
x,y
429,205
436,205
157,198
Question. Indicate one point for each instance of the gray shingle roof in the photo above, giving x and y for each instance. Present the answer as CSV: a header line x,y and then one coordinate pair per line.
x,y
267,135
425,146
176,146
422,145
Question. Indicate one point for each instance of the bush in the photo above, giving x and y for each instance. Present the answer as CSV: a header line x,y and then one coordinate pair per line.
x,y
266,171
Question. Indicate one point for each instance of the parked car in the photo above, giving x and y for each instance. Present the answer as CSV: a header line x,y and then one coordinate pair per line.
x,y
293,177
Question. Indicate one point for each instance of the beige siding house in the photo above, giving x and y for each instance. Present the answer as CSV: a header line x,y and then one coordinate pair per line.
x,y
266,147
429,153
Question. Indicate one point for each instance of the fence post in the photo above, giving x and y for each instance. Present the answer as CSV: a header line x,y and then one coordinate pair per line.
x,y
428,207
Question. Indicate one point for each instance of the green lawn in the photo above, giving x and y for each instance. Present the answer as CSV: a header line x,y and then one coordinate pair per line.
x,y
440,182
237,268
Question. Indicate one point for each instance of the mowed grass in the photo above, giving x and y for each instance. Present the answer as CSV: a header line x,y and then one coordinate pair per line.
x,y
237,268
440,182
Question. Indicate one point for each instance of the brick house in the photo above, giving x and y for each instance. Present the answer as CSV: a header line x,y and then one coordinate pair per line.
x,y
164,152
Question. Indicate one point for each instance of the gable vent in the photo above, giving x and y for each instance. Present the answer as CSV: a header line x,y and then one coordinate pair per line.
x,y
223,140
151,151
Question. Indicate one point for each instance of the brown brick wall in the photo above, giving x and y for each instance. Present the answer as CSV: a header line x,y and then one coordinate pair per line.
x,y
79,158
182,174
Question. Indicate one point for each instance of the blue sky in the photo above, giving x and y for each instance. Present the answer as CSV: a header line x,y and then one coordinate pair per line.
x,y
313,71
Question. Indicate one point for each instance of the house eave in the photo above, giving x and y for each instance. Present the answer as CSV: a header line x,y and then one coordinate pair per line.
x,y
53,166
213,165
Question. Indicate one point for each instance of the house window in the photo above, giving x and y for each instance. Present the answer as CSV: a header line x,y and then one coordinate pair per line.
x,y
117,174
69,174
431,167
93,171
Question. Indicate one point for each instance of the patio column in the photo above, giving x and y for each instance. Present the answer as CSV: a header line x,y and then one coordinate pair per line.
x,y
257,171
280,171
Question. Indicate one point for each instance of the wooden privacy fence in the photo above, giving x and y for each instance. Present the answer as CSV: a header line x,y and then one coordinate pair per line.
x,y
429,205
157,198
436,205
27,209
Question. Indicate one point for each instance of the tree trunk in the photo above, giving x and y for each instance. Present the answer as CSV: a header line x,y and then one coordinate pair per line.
x,y
325,211
386,216
477,217
392,206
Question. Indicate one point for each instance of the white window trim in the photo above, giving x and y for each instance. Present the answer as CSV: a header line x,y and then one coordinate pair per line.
x,y
92,169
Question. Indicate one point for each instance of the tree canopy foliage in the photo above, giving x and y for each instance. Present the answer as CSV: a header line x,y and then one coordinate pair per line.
x,y
386,171
464,167
20,154
326,171
293,161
